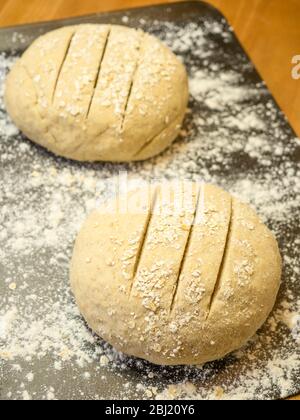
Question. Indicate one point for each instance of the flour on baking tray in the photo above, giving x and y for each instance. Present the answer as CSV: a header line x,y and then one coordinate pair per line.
x,y
44,200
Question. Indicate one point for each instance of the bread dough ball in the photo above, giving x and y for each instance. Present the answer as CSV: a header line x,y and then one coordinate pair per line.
x,y
98,93
176,284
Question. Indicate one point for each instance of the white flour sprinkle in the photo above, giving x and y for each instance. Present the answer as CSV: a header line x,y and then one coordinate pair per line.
x,y
233,137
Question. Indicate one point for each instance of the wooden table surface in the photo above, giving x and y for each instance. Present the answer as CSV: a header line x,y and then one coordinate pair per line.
x,y
268,29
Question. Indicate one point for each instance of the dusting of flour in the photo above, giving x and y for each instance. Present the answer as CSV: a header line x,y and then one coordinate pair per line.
x,y
234,136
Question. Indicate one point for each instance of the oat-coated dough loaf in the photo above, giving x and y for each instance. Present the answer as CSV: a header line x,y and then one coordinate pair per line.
x,y
98,93
176,288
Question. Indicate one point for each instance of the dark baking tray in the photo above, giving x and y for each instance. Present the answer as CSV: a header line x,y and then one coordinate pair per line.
x,y
110,381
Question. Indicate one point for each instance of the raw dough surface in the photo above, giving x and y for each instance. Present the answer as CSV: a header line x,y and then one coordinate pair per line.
x,y
98,93
176,287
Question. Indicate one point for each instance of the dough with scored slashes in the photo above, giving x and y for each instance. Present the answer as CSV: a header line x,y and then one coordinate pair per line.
x,y
176,286
98,93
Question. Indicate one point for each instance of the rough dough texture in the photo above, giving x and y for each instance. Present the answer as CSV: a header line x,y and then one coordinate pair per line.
x,y
98,93
181,287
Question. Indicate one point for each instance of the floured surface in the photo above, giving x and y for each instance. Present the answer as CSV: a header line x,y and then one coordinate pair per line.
x,y
235,137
